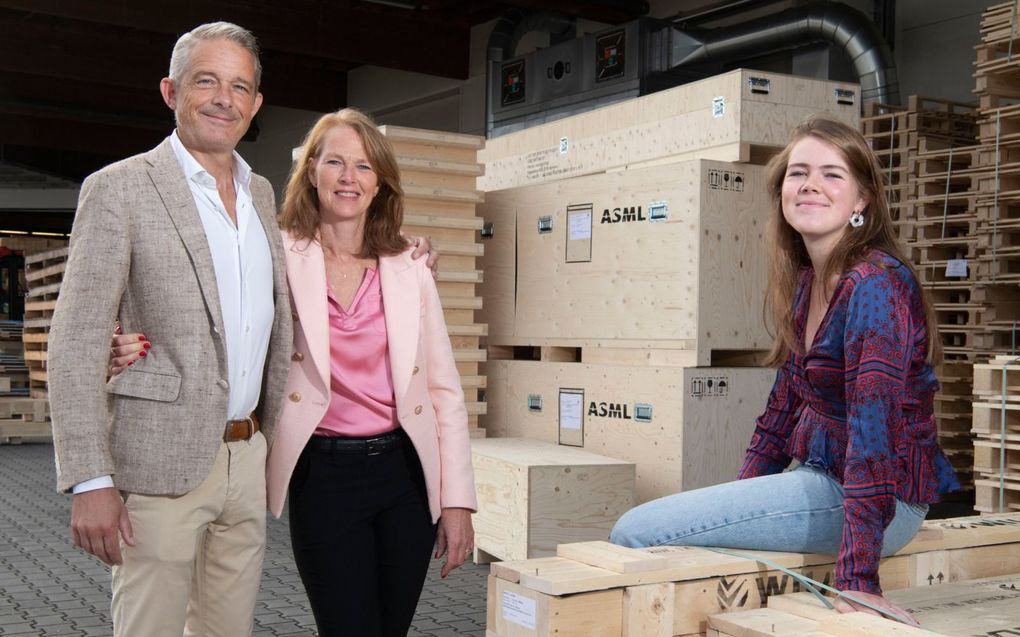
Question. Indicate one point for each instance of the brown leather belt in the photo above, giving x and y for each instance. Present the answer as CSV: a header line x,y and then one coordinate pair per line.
x,y
241,429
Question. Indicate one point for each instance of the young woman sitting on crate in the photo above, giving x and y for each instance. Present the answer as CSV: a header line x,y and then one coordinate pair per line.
x,y
852,402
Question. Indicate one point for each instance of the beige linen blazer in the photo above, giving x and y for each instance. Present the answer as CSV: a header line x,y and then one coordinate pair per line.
x,y
139,254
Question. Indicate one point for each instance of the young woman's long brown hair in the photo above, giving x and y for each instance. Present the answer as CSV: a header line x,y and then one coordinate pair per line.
x,y
788,255
300,214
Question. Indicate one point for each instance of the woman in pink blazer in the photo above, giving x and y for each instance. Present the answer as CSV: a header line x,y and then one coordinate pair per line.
x,y
372,443
371,446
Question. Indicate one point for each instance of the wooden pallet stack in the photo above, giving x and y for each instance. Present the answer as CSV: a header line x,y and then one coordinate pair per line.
x,y
13,373
625,269
44,272
992,168
599,589
918,147
996,416
896,135
438,172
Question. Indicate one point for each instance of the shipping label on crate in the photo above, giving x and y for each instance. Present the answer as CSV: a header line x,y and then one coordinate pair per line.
x,y
519,609
571,430
726,180
579,227
709,386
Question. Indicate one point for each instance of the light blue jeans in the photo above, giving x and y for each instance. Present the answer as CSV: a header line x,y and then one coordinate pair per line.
x,y
800,510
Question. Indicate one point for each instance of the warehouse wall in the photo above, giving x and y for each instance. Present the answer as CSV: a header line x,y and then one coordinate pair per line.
x,y
935,42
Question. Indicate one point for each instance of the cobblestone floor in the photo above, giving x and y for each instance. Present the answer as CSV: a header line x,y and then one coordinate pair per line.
x,y
49,587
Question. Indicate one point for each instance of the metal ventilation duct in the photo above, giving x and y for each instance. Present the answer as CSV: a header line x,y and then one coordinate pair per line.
x,y
647,55
857,38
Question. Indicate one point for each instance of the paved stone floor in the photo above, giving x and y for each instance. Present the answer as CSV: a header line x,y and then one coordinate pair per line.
x,y
49,587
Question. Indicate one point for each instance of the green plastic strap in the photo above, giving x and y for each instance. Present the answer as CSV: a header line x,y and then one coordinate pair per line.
x,y
1002,433
1012,32
892,149
995,221
813,585
945,199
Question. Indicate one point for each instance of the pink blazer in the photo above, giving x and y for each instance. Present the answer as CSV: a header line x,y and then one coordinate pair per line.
x,y
430,402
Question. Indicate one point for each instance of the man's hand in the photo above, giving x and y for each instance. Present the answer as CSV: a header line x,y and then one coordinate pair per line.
x,y
845,605
455,538
125,349
423,246
98,520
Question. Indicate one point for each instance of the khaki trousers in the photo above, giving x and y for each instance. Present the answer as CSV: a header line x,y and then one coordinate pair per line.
x,y
197,561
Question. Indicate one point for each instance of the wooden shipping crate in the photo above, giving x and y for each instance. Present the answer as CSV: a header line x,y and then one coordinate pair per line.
x,y
533,496
673,590
669,256
684,427
741,115
982,607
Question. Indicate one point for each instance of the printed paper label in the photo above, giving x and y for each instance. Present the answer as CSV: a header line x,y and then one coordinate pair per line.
x,y
956,268
571,410
519,609
580,225
718,107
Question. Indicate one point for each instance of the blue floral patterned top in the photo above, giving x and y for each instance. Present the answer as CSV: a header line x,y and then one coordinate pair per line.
x,y
859,404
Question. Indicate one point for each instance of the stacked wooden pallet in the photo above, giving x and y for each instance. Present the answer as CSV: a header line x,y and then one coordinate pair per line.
x,y
996,415
984,607
625,271
921,150
897,133
438,171
24,420
44,272
598,589
13,373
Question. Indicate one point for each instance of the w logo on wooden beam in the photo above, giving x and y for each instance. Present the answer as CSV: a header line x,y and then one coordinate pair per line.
x,y
729,591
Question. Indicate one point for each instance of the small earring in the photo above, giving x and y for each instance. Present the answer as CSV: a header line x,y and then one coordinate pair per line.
x,y
857,219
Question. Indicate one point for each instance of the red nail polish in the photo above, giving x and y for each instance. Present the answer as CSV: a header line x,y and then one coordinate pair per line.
x,y
130,363
143,353
147,344
141,337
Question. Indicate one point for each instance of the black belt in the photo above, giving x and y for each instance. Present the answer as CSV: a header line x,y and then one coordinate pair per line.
x,y
372,446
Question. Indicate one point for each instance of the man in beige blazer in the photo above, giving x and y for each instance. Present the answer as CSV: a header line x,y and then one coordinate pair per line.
x,y
167,459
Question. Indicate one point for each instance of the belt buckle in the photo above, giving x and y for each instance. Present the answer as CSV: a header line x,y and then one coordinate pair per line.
x,y
251,426
374,447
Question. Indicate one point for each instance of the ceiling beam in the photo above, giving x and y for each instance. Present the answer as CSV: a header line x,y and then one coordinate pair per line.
x,y
110,65
350,32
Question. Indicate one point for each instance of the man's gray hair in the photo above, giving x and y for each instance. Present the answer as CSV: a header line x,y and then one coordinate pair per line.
x,y
244,38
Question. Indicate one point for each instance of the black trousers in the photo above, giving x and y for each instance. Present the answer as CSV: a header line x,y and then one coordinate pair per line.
x,y
362,537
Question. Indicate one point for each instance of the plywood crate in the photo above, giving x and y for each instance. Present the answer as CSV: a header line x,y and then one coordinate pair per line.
x,y
533,496
438,172
673,590
741,115
980,607
669,256
684,427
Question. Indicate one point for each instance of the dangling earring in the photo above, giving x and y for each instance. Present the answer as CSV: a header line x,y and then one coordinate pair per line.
x,y
857,219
